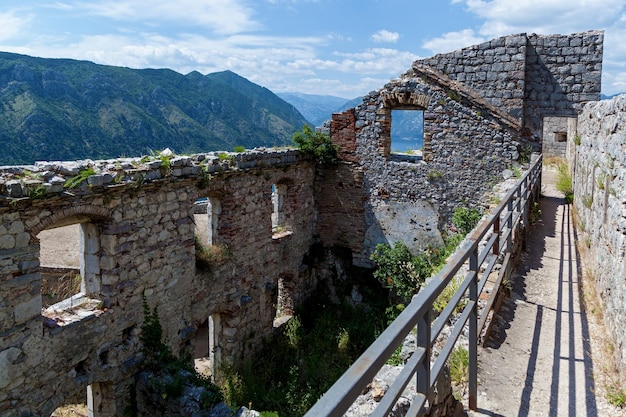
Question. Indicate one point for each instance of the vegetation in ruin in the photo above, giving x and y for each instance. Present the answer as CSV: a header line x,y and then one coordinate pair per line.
x,y
459,370
465,219
172,374
317,145
564,182
80,178
403,273
58,287
208,255
309,354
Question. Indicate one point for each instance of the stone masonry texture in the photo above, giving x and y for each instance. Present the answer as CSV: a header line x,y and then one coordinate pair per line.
x,y
599,164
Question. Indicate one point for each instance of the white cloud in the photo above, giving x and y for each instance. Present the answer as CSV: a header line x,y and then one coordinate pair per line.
x,y
503,17
220,16
12,25
452,41
385,36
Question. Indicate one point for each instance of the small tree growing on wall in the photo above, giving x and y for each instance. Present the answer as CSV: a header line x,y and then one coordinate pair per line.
x,y
317,145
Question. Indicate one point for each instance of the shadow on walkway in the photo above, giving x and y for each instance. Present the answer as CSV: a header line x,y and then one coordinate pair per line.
x,y
537,360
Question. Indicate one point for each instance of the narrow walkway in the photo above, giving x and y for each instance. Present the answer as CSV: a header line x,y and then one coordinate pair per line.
x,y
537,361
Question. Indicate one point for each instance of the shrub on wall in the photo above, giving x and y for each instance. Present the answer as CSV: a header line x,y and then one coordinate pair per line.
x,y
317,145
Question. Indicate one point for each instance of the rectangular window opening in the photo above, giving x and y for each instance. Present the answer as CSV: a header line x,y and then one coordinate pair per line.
x,y
70,271
407,134
279,224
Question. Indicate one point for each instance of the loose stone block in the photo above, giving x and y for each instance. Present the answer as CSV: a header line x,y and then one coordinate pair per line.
x,y
27,310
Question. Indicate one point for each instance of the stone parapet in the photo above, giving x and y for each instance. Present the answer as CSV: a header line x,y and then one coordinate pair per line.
x,y
47,178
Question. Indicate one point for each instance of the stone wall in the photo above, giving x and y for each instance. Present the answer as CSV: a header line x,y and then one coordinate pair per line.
x,y
407,198
141,221
496,69
600,206
531,76
563,72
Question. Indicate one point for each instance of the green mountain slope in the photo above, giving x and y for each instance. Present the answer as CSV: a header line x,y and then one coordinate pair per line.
x,y
64,109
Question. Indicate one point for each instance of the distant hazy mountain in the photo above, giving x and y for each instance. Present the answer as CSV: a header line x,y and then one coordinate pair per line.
x,y
316,109
407,127
605,97
53,109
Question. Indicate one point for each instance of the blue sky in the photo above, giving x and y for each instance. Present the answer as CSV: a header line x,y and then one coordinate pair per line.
x,y
344,48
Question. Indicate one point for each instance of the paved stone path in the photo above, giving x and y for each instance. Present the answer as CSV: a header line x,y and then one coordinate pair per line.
x,y
537,361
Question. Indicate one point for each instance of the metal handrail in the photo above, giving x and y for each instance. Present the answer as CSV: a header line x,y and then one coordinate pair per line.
x,y
503,221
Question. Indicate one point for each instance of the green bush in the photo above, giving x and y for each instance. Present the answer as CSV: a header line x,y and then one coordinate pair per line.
x,y
466,219
239,149
564,183
317,145
397,269
404,273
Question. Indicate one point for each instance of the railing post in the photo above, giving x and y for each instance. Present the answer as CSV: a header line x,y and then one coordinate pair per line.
x,y
497,231
509,225
423,341
526,208
473,331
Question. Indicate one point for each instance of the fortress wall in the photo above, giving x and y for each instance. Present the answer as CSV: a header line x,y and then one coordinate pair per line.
x,y
140,240
600,205
563,72
409,198
495,69
530,76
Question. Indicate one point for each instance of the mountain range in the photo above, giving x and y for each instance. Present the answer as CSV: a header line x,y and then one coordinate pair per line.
x,y
62,109
407,126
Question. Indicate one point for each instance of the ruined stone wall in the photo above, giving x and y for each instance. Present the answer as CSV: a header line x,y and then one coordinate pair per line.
x,y
531,76
496,69
562,73
600,206
483,107
409,199
142,242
